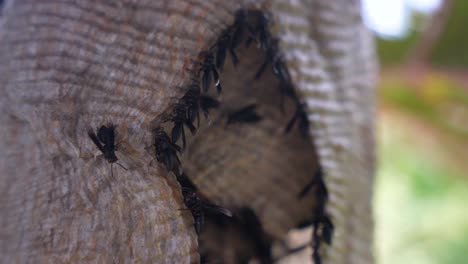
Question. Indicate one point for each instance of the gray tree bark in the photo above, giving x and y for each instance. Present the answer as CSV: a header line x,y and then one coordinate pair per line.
x,y
68,66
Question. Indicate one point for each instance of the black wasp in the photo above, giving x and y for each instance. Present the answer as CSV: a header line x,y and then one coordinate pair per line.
x,y
323,231
272,57
198,207
244,115
225,44
166,151
301,118
180,119
259,32
187,110
317,180
210,73
105,141
230,39
194,101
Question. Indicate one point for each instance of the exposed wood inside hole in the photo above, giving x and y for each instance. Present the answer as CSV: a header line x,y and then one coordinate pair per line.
x,y
255,165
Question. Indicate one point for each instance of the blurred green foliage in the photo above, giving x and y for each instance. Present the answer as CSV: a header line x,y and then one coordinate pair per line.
x,y
450,49
421,195
394,51
420,202
436,99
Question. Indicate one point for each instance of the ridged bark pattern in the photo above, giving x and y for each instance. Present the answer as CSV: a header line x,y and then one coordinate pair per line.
x,y
71,66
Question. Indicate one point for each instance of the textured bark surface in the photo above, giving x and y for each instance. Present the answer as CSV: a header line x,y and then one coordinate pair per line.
x,y
68,66
332,60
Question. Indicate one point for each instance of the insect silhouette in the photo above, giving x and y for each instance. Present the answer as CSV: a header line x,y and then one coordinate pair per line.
x,y
230,39
327,229
186,183
105,142
166,151
222,48
317,178
192,101
322,225
210,73
180,119
260,32
323,231
300,116
239,26
280,71
207,103
244,115
199,206
272,57
225,44
187,110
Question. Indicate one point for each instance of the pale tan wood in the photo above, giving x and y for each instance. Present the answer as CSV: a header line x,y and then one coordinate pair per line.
x,y
68,66
332,59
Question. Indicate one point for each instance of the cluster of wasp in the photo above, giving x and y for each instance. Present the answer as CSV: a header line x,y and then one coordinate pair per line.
x,y
250,26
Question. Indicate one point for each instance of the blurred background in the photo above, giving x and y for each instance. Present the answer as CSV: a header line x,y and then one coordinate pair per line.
x,y
421,198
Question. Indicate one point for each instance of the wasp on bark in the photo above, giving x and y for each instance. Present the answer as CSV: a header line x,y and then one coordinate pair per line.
x,y
105,142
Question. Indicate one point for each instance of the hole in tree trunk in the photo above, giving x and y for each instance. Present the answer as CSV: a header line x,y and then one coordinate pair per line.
x,y
250,165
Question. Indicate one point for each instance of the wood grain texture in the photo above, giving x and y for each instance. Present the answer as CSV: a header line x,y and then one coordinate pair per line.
x,y
68,66
332,59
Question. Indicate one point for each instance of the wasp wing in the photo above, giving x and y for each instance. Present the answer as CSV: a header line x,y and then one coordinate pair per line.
x,y
96,141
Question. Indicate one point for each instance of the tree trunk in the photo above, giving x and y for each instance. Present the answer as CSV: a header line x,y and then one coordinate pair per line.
x,y
71,66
